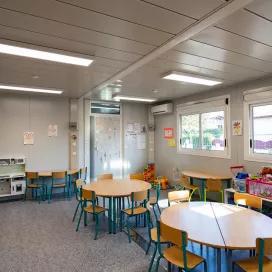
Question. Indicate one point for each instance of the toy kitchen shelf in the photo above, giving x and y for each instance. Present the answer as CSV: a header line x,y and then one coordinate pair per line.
x,y
12,177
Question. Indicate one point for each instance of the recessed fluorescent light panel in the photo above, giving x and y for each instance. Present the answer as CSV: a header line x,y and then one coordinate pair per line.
x,y
28,89
131,98
191,78
43,55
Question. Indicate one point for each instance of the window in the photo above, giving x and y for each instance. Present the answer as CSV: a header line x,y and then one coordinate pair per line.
x,y
258,127
203,128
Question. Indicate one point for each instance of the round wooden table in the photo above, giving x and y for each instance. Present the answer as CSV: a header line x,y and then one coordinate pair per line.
x,y
218,225
114,190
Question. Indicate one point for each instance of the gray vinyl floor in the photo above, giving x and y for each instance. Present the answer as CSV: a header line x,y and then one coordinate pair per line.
x,y
41,238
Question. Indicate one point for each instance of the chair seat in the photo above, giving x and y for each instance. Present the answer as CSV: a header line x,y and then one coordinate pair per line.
x,y
136,211
154,236
174,255
34,186
251,264
59,185
153,200
190,186
98,209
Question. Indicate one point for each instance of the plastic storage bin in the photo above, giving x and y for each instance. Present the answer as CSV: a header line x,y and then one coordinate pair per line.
x,y
260,187
239,185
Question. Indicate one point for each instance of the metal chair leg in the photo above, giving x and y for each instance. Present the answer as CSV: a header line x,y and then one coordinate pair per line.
x,y
152,259
148,247
157,264
79,219
96,226
75,213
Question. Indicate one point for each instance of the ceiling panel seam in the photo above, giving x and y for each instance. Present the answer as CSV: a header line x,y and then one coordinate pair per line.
x,y
221,28
72,40
115,17
79,27
233,51
220,61
258,15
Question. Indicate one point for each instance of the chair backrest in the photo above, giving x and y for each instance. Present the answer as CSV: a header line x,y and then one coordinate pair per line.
x,y
80,183
248,200
263,248
178,196
88,195
32,175
59,175
185,181
104,176
83,172
214,185
140,196
139,176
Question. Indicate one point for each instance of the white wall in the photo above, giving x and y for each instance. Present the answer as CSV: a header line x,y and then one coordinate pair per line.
x,y
166,158
20,113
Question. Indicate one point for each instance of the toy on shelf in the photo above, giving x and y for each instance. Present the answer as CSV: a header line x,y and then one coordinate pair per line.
x,y
163,181
259,186
149,173
239,178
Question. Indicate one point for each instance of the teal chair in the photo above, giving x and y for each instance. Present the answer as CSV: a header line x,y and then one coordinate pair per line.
x,y
259,263
154,201
176,253
138,208
79,183
33,184
59,181
88,205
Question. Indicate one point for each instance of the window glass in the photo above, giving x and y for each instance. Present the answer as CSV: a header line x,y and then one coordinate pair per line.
x,y
213,137
262,129
190,137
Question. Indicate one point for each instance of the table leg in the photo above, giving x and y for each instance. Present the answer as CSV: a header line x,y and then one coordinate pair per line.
x,y
114,215
109,215
218,259
202,186
229,260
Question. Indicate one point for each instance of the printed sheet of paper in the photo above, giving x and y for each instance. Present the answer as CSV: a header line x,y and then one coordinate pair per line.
x,y
28,138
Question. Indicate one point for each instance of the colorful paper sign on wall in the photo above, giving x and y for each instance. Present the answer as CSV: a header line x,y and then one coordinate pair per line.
x,y
52,130
28,138
237,129
168,133
171,142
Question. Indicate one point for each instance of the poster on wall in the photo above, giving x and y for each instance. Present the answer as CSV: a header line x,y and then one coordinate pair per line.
x,y
168,133
237,129
52,130
171,142
28,138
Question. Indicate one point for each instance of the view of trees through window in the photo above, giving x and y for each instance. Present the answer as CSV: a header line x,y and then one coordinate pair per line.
x,y
262,129
203,131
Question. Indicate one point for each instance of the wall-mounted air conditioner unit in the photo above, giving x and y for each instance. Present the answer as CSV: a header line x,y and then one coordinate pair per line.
x,y
162,109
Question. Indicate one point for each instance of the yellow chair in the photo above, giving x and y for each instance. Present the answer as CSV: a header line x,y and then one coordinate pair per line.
x,y
176,254
90,197
79,184
185,183
104,177
175,197
138,207
61,175
139,176
214,186
251,201
32,183
259,263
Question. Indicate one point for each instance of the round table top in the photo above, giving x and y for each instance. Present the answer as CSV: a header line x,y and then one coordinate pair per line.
x,y
201,175
46,173
117,187
218,225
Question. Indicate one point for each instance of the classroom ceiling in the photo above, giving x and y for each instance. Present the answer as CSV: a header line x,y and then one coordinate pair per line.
x,y
118,33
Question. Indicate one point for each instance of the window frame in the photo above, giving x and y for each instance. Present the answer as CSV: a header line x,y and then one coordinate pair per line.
x,y
200,107
249,154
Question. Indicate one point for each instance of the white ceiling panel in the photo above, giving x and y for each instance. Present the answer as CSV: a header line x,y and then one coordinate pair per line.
x,y
87,19
210,64
66,44
193,8
52,28
248,25
222,55
137,12
261,7
234,43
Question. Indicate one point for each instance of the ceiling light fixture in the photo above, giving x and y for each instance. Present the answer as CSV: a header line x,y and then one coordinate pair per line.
x,y
131,98
192,78
29,89
43,55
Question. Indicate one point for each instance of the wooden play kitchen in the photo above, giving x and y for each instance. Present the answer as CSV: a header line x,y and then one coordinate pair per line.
x,y
203,177
218,225
115,191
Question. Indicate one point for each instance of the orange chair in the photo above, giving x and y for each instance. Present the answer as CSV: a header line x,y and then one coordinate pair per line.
x,y
248,200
